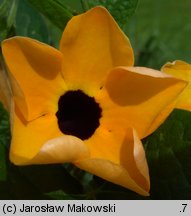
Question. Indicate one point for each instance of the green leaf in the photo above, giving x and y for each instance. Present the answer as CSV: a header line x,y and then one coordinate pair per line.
x,y
168,152
83,177
3,168
30,23
17,186
61,195
121,10
4,142
8,10
58,178
38,182
12,13
54,10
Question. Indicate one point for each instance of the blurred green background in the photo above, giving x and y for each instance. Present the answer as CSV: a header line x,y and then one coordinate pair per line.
x,y
159,31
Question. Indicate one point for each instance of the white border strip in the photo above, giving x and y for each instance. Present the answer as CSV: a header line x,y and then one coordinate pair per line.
x,y
95,207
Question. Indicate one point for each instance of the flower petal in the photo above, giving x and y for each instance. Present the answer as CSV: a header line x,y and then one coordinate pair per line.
x,y
5,91
181,70
35,75
92,44
136,97
60,150
118,157
41,142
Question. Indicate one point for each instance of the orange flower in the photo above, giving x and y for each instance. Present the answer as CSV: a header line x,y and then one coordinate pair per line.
x,y
86,104
181,70
5,92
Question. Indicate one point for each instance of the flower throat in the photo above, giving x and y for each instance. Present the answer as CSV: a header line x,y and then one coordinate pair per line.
x,y
78,114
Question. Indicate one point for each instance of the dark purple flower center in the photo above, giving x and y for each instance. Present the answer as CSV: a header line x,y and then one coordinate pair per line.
x,y
78,114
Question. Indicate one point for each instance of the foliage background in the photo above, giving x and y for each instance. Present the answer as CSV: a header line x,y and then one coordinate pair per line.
x,y
160,32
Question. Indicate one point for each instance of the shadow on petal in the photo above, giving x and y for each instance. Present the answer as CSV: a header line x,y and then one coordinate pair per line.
x,y
136,85
133,159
